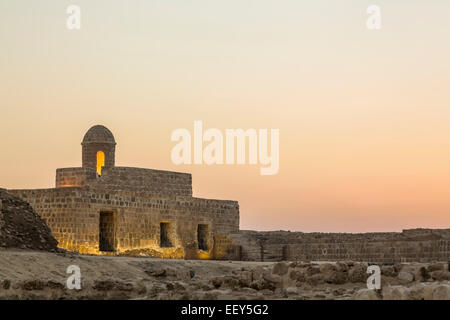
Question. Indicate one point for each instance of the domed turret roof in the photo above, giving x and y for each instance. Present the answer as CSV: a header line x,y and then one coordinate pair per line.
x,y
98,134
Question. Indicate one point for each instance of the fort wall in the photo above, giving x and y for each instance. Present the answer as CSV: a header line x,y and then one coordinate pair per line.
x,y
415,245
74,177
132,179
73,215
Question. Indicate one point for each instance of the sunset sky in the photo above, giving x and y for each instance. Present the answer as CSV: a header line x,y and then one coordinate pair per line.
x,y
363,115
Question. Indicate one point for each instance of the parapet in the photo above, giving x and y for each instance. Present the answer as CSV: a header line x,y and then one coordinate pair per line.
x,y
74,177
148,180
127,179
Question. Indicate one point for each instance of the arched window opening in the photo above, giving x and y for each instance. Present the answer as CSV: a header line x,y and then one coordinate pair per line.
x,y
100,162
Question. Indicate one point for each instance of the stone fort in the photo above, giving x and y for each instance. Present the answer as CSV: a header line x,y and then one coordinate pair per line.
x,y
99,208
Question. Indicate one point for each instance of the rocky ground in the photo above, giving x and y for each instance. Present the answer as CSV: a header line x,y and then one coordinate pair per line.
x,y
42,275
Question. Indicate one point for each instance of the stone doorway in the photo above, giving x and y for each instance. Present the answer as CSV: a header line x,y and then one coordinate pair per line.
x,y
107,231
202,236
165,235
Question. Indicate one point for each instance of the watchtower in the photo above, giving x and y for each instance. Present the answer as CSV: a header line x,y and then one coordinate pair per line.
x,y
98,148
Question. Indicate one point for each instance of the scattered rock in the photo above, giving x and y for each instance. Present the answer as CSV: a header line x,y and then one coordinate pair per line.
x,y
389,271
441,292
366,294
424,274
395,293
342,266
33,285
312,270
327,268
292,290
158,273
6,284
280,268
436,267
358,273
440,275
185,275
336,277
421,291
405,276
103,285
245,279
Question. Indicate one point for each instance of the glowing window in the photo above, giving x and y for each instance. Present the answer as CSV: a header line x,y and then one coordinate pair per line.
x,y
100,162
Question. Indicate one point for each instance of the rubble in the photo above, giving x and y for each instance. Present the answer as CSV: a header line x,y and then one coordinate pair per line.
x,y
21,227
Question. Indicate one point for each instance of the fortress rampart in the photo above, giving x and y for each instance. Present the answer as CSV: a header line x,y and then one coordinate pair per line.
x,y
73,216
415,245
126,178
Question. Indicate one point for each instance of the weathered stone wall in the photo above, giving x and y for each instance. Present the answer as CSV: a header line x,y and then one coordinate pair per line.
x,y
74,177
125,178
148,180
416,245
73,216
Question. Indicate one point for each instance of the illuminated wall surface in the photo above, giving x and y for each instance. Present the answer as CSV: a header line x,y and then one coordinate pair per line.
x,y
363,114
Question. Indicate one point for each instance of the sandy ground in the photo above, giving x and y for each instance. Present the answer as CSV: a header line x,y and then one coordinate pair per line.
x,y
43,275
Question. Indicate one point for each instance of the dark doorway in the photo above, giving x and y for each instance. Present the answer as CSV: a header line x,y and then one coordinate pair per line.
x,y
107,231
165,235
202,236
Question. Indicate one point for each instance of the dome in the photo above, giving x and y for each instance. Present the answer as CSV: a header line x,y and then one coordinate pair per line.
x,y
98,134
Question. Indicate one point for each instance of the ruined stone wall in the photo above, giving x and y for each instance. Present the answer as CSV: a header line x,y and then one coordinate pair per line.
x,y
419,245
73,215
